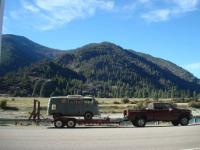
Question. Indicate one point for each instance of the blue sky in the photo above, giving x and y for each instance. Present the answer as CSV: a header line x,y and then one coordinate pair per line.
x,y
169,29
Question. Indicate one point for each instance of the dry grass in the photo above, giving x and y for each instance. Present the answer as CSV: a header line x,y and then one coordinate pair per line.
x,y
106,105
24,106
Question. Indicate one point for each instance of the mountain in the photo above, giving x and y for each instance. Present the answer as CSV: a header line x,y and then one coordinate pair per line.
x,y
101,69
39,79
121,69
18,51
167,65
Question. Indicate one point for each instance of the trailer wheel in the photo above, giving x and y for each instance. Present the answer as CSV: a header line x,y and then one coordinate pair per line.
x,y
88,116
140,122
71,123
58,124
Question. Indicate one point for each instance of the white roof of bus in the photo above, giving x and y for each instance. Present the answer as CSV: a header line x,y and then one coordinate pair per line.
x,y
72,96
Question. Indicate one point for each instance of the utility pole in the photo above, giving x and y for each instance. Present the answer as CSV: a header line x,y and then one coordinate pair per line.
x,y
1,23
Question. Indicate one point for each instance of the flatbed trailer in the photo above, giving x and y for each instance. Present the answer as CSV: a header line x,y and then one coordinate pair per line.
x,y
71,122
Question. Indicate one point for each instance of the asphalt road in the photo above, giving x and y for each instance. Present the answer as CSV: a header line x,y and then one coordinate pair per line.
x,y
148,138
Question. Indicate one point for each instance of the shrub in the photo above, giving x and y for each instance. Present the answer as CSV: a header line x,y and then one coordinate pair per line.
x,y
142,104
116,102
133,102
125,101
139,105
194,104
3,103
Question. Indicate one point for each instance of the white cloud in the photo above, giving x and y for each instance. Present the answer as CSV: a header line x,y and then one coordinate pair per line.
x,y
29,7
186,5
157,15
50,14
194,66
54,13
167,9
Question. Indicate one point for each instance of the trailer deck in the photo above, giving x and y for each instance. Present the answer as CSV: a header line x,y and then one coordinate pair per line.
x,y
71,122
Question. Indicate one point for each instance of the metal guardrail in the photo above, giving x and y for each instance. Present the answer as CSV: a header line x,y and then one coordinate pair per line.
x,y
27,120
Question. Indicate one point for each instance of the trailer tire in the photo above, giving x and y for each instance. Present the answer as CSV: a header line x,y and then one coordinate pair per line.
x,y
88,116
59,124
71,123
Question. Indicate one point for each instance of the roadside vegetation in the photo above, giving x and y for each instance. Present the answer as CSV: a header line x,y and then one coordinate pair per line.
x,y
195,104
4,105
24,105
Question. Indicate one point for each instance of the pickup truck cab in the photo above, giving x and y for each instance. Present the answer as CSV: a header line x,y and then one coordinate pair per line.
x,y
159,112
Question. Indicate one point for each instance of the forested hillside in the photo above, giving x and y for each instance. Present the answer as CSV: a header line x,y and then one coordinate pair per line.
x,y
18,51
101,69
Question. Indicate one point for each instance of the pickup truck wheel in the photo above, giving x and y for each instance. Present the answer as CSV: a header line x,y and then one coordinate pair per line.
x,y
175,123
134,123
71,123
88,116
141,122
184,121
58,124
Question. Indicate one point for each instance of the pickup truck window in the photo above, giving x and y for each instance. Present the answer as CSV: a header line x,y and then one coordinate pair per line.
x,y
161,106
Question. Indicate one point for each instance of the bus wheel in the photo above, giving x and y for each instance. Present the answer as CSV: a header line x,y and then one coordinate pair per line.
x,y
88,116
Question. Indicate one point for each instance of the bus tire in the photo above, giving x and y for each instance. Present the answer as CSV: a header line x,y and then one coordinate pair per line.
x,y
88,116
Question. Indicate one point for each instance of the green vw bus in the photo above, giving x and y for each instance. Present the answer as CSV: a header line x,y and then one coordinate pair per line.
x,y
73,105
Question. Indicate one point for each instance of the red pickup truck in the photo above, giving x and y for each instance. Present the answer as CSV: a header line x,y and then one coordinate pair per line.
x,y
159,112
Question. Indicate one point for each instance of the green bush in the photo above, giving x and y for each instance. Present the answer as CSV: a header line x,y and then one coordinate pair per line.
x,y
133,102
116,102
3,103
125,101
194,104
142,104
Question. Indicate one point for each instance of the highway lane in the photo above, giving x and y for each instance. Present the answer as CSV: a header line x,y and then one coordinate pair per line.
x,y
123,138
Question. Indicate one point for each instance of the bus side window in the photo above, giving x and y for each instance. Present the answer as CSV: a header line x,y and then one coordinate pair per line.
x,y
71,101
78,101
88,101
63,101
